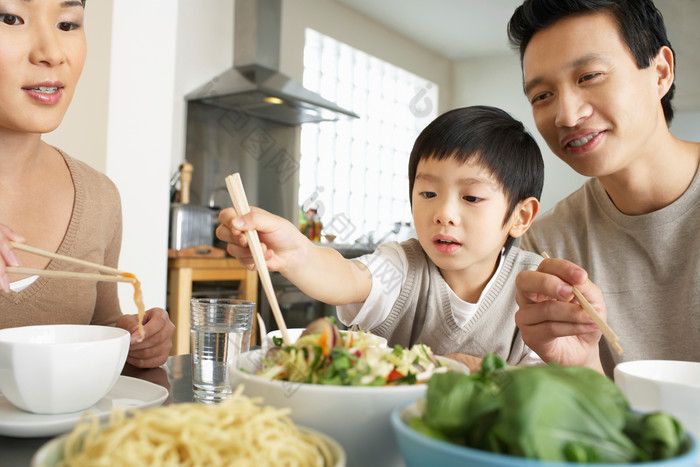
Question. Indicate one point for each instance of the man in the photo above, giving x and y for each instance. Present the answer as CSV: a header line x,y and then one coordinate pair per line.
x,y
599,76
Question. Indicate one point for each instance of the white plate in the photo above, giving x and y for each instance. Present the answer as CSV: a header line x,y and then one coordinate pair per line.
x,y
127,392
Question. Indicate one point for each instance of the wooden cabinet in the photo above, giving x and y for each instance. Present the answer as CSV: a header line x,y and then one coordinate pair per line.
x,y
183,271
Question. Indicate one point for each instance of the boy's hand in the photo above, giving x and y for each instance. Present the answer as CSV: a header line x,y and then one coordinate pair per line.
x,y
280,240
551,321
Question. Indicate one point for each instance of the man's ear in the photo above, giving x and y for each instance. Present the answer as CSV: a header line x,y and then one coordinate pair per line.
x,y
523,215
663,63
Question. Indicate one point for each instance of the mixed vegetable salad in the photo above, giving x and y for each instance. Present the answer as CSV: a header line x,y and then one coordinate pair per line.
x,y
325,355
546,412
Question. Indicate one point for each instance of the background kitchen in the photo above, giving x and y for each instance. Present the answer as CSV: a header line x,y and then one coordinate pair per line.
x,y
395,63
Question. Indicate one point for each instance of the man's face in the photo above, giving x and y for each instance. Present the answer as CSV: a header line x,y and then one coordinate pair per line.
x,y
594,107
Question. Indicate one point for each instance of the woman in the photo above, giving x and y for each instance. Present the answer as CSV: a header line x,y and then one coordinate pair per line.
x,y
48,199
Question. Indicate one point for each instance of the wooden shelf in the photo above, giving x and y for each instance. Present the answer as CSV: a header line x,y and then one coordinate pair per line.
x,y
183,271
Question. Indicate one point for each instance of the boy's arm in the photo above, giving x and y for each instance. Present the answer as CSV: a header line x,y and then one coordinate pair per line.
x,y
320,272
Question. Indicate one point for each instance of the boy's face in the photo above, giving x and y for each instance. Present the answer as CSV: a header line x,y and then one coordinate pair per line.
x,y
458,212
42,52
595,109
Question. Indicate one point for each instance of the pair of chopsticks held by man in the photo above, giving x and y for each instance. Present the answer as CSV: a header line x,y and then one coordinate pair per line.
x,y
600,94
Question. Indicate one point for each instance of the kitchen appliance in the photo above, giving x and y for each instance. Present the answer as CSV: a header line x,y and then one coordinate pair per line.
x,y
255,86
190,225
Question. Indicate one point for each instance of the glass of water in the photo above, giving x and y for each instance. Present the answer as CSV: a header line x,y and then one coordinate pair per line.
x,y
219,331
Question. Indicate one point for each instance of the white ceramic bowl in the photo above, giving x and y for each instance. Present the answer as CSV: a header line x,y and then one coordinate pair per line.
x,y
663,385
294,333
357,417
60,368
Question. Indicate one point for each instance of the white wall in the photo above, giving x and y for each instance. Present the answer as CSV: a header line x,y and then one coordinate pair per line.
x,y
139,138
686,125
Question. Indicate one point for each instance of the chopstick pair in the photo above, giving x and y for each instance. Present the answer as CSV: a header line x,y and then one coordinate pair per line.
x,y
602,325
240,204
115,275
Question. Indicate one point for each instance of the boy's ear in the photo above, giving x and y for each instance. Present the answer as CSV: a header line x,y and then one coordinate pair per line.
x,y
663,63
523,215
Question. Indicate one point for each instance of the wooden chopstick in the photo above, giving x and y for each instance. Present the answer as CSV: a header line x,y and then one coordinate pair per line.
x,y
68,274
240,204
68,259
602,325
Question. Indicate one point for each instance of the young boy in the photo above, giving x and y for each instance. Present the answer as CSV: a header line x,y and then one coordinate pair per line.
x,y
475,176
600,79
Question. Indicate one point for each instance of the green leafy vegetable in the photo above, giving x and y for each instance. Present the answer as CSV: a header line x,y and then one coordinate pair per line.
x,y
546,412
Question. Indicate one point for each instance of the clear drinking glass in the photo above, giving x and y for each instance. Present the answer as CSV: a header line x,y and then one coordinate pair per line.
x,y
219,331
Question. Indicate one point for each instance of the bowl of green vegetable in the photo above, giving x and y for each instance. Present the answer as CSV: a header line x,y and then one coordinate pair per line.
x,y
342,386
545,415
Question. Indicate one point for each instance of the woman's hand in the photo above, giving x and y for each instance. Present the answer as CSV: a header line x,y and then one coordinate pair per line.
x,y
154,349
7,256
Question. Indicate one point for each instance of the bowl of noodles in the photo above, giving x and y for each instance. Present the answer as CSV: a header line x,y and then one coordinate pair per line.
x,y
238,431
351,398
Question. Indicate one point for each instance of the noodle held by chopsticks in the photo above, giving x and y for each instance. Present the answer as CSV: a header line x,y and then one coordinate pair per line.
x,y
236,432
138,300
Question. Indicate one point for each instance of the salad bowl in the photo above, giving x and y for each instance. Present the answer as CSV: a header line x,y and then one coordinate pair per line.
x,y
356,416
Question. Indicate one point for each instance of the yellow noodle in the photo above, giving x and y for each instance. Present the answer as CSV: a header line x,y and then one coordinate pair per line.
x,y
237,432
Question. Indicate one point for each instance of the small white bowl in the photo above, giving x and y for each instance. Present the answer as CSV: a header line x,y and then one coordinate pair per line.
x,y
294,333
663,385
356,416
64,368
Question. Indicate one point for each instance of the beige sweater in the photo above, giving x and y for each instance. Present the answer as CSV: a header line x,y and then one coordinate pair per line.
x,y
647,266
94,234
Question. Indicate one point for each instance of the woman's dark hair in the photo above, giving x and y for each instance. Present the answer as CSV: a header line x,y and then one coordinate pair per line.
x,y
640,22
491,138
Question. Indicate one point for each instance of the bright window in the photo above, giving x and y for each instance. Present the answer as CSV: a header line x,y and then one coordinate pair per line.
x,y
355,171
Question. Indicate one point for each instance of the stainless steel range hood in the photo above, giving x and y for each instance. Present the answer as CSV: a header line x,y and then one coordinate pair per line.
x,y
254,86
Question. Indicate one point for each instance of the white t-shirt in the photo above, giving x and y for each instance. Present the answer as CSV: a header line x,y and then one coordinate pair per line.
x,y
376,308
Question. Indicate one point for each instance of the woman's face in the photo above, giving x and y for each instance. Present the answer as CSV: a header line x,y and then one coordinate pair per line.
x,y
42,52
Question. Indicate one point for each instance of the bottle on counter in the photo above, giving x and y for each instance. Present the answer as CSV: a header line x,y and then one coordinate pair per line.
x,y
317,227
